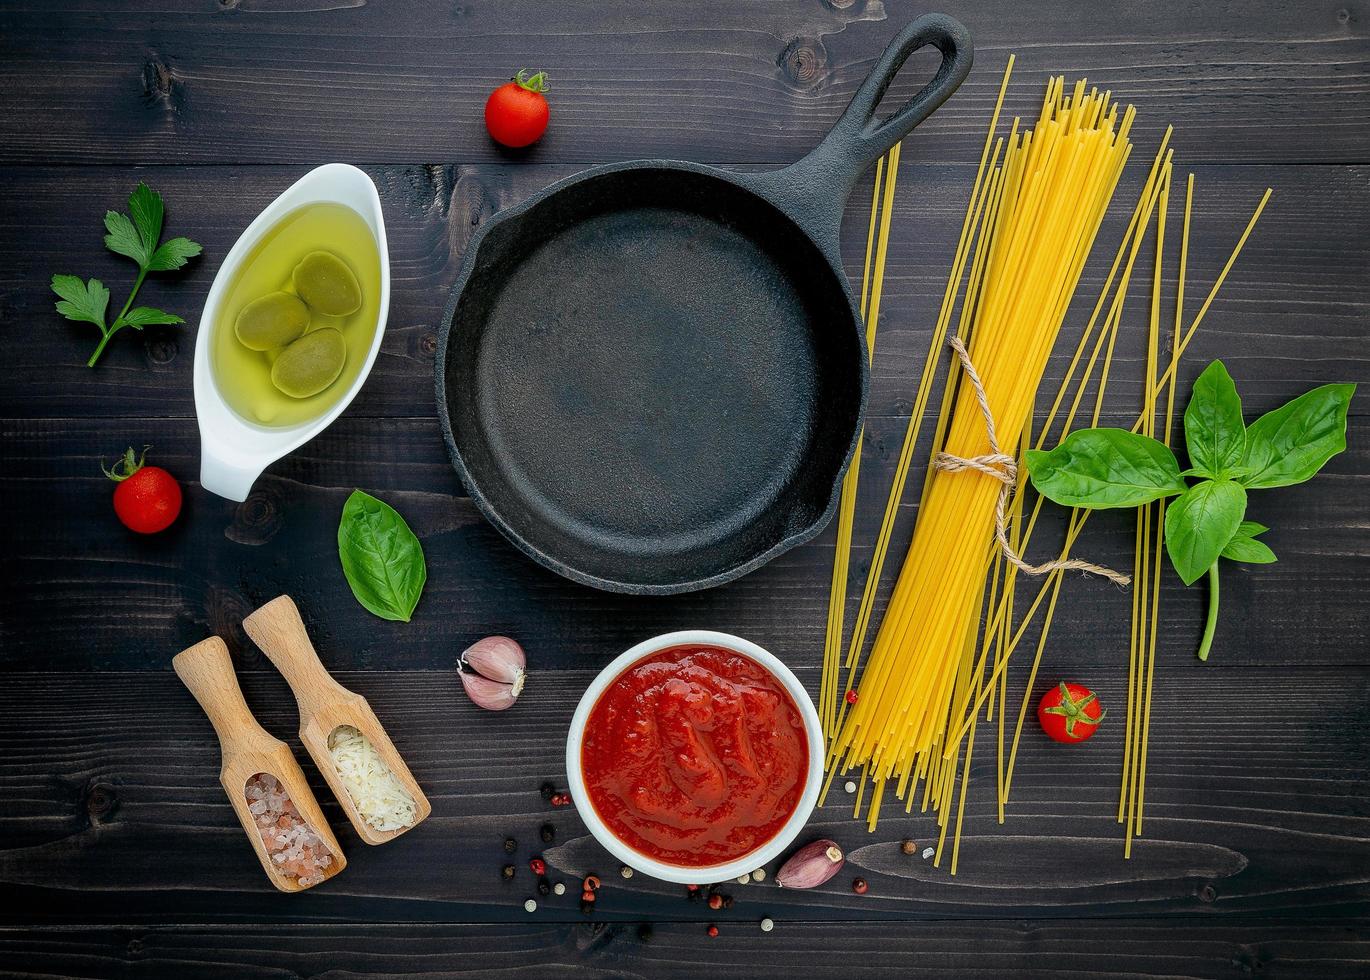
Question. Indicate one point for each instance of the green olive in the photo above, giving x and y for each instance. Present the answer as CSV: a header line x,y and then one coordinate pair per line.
x,y
310,364
325,282
270,321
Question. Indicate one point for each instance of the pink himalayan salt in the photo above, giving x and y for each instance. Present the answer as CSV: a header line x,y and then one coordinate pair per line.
x,y
295,850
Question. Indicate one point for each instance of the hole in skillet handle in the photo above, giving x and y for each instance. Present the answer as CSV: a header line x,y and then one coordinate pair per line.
x,y
820,183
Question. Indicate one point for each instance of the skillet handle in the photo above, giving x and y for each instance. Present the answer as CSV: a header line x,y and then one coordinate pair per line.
x,y
819,183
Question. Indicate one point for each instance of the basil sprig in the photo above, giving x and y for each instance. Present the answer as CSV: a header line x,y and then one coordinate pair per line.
x,y
1105,468
381,557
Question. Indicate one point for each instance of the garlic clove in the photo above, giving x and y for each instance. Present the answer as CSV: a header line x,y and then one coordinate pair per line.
x,y
499,659
811,865
488,694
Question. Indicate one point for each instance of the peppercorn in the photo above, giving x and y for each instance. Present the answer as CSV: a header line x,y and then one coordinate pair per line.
x,y
508,871
548,791
851,697
548,833
909,847
859,886
692,888
538,865
561,799
587,907
727,901
715,901
510,845
544,887
694,893
591,883
713,931
626,871
587,896
644,932
767,925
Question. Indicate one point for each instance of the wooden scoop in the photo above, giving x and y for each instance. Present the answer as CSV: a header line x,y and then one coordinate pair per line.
x,y
324,705
247,749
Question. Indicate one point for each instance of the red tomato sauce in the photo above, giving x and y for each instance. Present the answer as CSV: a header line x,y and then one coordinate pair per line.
x,y
695,756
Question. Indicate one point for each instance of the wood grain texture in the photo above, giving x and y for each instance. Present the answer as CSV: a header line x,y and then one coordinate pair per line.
x,y
78,592
977,949
104,772
1295,311
120,856
228,81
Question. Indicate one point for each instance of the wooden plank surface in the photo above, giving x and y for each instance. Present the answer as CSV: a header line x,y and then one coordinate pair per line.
x,y
976,949
117,851
231,81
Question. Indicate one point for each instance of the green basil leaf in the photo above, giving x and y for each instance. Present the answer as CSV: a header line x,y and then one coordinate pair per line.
x,y
1245,548
1293,442
1200,524
1213,429
381,557
1251,529
1100,468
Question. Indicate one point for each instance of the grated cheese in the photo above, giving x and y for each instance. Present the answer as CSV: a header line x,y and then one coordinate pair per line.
x,y
378,796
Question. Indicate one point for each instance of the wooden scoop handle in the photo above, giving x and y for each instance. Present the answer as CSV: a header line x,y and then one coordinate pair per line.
x,y
207,670
278,629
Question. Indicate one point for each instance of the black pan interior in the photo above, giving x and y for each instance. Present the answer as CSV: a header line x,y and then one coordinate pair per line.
x,y
653,379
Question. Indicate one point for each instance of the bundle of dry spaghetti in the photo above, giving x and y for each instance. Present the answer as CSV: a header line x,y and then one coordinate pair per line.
x,y
1041,210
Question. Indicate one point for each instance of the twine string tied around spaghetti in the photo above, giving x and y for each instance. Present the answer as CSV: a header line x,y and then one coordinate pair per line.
x,y
1004,468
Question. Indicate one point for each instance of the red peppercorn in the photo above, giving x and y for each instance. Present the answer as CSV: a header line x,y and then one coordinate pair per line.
x,y
692,888
587,896
713,931
538,865
592,883
561,799
859,886
851,697
715,901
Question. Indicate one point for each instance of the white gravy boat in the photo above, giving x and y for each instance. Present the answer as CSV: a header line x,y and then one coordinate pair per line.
x,y
233,451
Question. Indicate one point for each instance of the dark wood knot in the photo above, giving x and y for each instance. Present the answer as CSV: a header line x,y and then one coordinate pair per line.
x,y
257,519
159,81
1207,894
161,348
804,62
428,344
101,801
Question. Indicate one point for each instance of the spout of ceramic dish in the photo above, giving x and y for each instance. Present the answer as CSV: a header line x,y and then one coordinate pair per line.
x,y
225,472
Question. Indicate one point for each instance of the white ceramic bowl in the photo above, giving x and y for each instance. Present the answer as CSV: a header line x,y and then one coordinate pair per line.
x,y
233,451
717,872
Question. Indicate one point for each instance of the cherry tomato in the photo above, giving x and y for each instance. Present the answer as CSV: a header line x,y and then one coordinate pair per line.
x,y
147,498
516,112
1070,712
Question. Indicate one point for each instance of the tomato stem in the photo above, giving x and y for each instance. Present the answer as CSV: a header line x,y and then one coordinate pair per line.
x,y
537,82
1211,626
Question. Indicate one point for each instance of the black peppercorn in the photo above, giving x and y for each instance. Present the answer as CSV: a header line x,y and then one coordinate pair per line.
x,y
510,845
727,901
694,894
548,791
644,932
544,887
548,833
508,871
586,907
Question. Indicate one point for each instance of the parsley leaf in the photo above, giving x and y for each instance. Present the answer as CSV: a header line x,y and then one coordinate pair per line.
x,y
134,235
84,302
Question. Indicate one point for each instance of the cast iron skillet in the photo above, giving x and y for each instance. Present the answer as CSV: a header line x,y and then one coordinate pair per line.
x,y
651,375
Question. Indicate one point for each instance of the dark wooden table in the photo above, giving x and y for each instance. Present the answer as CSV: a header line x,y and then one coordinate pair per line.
x,y
118,854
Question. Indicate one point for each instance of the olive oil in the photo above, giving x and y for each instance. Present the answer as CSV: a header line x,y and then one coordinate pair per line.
x,y
322,252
